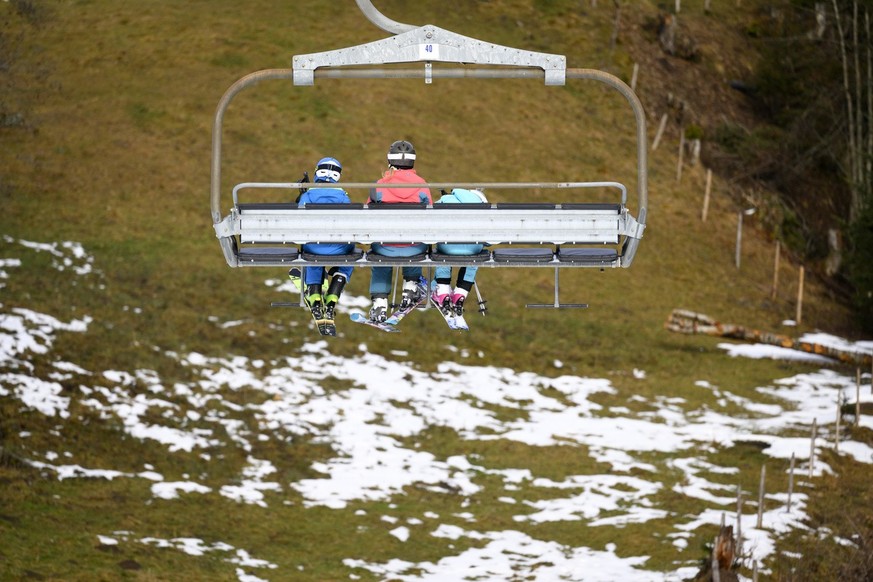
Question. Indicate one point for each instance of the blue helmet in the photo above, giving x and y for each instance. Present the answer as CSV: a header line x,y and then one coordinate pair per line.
x,y
328,170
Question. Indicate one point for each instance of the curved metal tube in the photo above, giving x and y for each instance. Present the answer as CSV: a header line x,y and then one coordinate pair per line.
x,y
248,80
611,80
642,139
381,20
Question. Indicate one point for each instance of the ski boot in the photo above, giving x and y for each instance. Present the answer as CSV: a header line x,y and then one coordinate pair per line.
x,y
331,298
314,301
458,298
379,311
442,296
411,294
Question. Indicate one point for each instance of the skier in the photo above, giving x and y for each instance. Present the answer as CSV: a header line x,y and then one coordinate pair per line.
x,y
322,305
452,301
401,159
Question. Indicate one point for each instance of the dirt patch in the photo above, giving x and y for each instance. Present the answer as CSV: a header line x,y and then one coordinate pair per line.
x,y
699,84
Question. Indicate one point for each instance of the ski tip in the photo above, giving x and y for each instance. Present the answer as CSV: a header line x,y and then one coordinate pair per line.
x,y
326,327
384,326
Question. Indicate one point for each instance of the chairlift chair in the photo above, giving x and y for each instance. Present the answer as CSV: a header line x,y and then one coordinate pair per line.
x,y
527,235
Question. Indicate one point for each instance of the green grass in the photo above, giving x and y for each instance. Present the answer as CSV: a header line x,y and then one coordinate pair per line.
x,y
115,155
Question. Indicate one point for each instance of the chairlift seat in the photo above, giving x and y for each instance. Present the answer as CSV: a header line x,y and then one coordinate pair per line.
x,y
604,257
524,255
382,259
268,256
354,256
482,257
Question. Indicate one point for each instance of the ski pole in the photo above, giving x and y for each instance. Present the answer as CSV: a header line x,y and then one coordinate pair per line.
x,y
482,302
394,287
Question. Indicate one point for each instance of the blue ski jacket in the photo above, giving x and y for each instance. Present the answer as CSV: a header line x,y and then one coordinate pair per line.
x,y
456,196
321,195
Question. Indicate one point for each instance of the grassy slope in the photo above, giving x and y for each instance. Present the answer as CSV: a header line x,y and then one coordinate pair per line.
x,y
119,99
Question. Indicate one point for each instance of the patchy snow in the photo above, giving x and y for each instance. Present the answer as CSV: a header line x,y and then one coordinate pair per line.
x,y
375,427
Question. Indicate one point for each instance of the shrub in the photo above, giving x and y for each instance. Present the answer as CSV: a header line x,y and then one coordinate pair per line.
x,y
860,266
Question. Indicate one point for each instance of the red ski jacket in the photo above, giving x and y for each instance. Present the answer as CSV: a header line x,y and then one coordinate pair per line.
x,y
400,195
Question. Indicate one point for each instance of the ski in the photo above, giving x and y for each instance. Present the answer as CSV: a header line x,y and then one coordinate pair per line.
x,y
295,275
399,314
324,326
461,323
384,326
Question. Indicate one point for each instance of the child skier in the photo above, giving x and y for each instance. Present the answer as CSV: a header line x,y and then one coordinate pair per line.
x,y
443,296
401,159
327,171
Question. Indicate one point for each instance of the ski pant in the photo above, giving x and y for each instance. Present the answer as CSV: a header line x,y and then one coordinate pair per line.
x,y
466,276
380,277
315,275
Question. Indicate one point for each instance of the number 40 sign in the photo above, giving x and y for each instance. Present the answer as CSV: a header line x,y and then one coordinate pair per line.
x,y
428,51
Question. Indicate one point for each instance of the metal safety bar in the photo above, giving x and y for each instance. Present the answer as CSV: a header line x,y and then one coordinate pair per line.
x,y
435,186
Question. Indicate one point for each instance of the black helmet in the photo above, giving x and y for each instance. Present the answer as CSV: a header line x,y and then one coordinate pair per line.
x,y
401,155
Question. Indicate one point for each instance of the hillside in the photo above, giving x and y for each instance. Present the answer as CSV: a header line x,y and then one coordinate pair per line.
x,y
132,352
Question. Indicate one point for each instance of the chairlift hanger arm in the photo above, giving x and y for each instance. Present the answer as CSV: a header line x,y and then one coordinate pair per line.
x,y
429,44
380,20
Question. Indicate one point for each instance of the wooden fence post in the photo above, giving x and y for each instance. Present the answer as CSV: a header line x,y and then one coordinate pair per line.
x,y
739,238
857,396
799,315
706,195
775,288
839,418
761,497
790,483
739,521
681,155
660,132
812,448
634,76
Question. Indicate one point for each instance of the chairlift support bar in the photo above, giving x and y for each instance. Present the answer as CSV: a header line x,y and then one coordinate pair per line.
x,y
427,44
